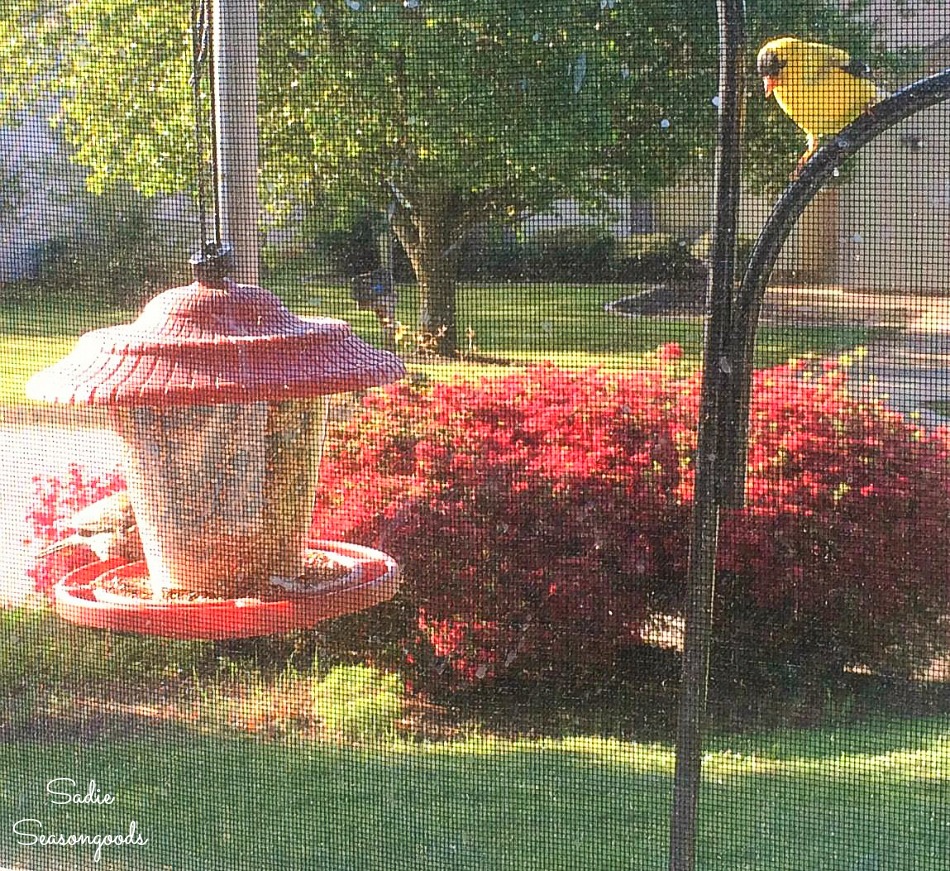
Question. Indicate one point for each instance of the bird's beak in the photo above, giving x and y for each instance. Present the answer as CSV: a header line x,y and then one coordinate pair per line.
x,y
769,83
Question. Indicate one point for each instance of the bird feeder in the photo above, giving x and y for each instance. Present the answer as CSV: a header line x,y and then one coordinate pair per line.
x,y
220,396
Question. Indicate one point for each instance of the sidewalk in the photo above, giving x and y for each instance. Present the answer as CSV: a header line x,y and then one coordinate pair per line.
x,y
912,369
909,365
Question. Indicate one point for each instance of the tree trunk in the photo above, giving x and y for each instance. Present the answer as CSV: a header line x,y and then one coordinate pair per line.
x,y
437,308
429,237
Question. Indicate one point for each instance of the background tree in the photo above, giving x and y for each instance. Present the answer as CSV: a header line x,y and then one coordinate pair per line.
x,y
443,113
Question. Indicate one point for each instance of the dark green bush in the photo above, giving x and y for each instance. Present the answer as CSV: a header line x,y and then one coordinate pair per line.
x,y
118,256
701,248
354,250
580,254
491,253
657,258
568,254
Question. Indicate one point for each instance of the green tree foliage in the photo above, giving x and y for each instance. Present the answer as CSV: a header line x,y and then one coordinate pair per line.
x,y
445,113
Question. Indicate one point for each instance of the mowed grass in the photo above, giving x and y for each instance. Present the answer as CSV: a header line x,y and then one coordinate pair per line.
x,y
517,323
35,335
567,325
872,797
207,793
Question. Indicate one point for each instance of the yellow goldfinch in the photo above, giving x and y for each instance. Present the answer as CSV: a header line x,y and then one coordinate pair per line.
x,y
822,89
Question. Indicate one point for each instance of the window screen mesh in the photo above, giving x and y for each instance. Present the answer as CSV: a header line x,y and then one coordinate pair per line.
x,y
513,201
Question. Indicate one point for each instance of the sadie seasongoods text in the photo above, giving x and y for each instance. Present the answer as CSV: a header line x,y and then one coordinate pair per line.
x,y
31,832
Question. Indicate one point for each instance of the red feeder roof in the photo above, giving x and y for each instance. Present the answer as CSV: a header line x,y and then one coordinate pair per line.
x,y
199,345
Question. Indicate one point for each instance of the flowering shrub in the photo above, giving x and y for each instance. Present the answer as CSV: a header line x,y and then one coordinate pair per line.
x,y
532,513
55,501
541,519
843,553
542,516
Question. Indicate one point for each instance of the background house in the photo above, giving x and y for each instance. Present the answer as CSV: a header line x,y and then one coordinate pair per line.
x,y
885,227
52,227
37,196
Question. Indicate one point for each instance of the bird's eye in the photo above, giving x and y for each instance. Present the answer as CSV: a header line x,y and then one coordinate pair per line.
x,y
769,64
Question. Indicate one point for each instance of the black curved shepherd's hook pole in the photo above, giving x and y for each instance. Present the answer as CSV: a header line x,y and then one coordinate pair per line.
x,y
727,378
734,410
705,523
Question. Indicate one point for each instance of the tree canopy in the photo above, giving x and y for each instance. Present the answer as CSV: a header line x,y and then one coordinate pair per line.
x,y
445,112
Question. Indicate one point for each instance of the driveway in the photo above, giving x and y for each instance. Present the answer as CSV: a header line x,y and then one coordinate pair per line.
x,y
908,364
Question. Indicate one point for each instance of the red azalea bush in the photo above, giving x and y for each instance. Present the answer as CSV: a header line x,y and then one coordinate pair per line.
x,y
535,514
842,555
542,517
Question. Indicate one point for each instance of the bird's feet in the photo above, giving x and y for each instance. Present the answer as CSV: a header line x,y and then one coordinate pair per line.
x,y
869,108
809,153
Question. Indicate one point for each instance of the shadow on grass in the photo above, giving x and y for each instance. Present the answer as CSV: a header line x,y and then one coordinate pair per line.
x,y
59,317
526,778
482,803
242,804
60,682
793,719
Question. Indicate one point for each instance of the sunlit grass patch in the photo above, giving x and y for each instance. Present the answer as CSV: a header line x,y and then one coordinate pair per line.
x,y
499,324
511,805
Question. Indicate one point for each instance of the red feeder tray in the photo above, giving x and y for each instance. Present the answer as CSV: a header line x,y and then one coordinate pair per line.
x,y
374,578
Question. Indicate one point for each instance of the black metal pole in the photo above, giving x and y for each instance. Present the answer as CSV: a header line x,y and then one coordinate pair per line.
x,y
716,383
733,434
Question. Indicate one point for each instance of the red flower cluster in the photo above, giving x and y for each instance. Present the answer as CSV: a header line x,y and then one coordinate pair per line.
x,y
55,501
532,512
541,517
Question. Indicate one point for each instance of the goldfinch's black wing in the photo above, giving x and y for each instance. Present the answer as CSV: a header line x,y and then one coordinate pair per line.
x,y
857,68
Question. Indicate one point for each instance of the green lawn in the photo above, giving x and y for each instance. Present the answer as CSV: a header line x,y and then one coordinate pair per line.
x,y
846,799
568,325
34,335
519,323
209,791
